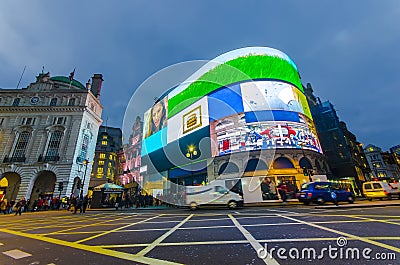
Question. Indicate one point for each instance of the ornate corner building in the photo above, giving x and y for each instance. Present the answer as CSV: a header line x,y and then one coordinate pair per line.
x,y
48,134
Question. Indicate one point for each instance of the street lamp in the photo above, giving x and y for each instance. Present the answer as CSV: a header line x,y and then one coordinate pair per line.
x,y
306,171
85,162
191,151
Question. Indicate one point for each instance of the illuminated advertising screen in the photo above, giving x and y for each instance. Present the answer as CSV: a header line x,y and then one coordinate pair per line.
x,y
155,118
234,134
273,95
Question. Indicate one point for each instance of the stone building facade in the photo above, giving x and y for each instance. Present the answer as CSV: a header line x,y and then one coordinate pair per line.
x,y
48,133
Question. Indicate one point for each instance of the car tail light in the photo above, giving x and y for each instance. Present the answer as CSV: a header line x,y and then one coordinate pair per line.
x,y
386,193
309,194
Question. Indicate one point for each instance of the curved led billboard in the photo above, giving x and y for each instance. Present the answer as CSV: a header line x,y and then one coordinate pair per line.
x,y
247,99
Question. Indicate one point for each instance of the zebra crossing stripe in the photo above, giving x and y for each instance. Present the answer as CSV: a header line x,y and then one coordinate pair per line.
x,y
16,254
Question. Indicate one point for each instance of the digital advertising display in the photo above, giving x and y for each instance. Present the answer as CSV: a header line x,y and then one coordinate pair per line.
x,y
234,134
155,118
273,95
251,99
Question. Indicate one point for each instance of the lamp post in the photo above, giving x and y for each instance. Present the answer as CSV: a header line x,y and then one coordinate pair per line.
x,y
306,171
191,151
85,162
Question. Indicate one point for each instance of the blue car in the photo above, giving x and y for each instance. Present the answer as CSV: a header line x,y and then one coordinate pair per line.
x,y
321,192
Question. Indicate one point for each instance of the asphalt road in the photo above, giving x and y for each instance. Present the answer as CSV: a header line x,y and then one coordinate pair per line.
x,y
290,234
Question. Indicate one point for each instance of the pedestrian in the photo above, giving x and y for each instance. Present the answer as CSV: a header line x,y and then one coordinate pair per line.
x,y
19,207
85,203
282,190
79,204
73,205
3,206
118,202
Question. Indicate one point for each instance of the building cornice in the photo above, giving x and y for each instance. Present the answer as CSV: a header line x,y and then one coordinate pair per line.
x,y
36,109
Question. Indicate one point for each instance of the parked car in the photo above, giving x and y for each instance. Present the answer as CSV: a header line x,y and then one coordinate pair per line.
x,y
380,190
321,192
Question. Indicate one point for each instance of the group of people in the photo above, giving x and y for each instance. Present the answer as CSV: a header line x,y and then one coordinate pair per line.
x,y
20,206
284,190
78,203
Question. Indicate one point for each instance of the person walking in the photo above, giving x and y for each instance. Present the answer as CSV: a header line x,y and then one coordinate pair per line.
x,y
74,204
85,203
19,206
3,206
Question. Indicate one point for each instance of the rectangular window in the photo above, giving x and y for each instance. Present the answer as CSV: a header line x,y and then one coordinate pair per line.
x,y
16,101
102,156
53,102
100,170
59,120
111,157
101,163
105,137
103,142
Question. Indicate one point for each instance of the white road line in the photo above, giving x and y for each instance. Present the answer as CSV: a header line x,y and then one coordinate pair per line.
x,y
366,240
281,211
254,243
16,254
161,238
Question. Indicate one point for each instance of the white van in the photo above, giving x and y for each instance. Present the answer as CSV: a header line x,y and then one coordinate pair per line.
x,y
379,190
214,193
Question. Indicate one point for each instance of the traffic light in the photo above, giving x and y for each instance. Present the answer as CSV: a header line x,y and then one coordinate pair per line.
x,y
60,186
305,171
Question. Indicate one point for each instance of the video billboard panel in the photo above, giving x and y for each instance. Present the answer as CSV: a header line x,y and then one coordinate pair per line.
x,y
188,120
155,118
234,134
273,95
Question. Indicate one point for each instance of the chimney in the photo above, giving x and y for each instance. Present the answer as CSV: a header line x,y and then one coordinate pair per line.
x,y
97,80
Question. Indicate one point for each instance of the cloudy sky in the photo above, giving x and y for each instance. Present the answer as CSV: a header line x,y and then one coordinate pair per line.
x,y
348,50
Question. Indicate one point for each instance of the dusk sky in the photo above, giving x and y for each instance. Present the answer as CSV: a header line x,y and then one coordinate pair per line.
x,y
348,50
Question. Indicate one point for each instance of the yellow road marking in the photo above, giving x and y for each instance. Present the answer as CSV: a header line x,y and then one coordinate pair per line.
x,y
164,236
93,249
116,229
88,225
253,242
345,234
376,220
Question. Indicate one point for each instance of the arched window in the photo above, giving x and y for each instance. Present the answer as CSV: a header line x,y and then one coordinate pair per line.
x,y
53,146
282,162
255,164
20,146
227,168
305,163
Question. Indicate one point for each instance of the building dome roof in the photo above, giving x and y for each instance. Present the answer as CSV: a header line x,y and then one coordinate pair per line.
x,y
64,79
